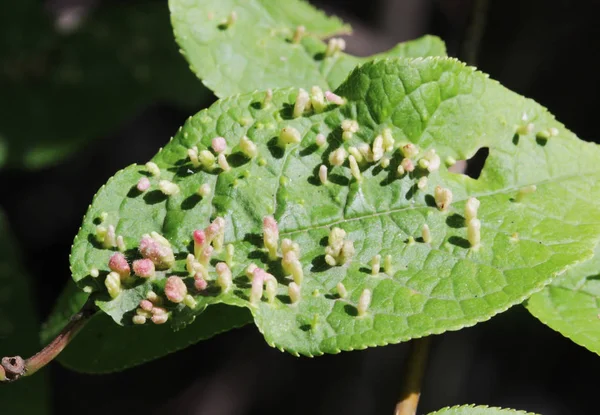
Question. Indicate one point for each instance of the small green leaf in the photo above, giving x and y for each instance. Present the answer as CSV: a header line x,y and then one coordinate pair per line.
x,y
478,410
18,331
571,304
59,93
434,282
127,347
257,51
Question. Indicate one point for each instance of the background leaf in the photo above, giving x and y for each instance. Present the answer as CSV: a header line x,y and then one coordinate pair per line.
x,y
256,52
116,348
59,92
478,410
571,304
436,103
18,331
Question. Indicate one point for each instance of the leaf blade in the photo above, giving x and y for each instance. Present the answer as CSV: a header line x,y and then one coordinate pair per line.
x,y
256,53
434,287
569,304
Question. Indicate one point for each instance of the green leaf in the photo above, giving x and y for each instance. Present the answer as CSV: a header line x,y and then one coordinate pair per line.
x,y
129,347
435,103
256,52
478,410
59,94
569,304
18,331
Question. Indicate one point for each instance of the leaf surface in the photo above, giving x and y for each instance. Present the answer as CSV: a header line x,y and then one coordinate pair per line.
x,y
478,410
18,331
256,52
59,92
435,103
571,304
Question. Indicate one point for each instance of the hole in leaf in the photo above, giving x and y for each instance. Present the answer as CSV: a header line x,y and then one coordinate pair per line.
x,y
473,166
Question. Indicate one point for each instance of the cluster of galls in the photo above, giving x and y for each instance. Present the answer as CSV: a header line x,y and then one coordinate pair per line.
x,y
157,254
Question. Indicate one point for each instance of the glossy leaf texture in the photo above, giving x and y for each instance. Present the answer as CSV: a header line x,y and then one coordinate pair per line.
x,y
261,49
478,410
60,91
116,348
18,331
432,282
571,304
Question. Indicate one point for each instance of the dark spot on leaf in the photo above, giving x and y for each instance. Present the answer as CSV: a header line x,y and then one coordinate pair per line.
x,y
338,179
309,150
274,148
459,241
594,277
365,270
324,241
237,159
319,264
305,327
133,192
241,294
94,242
287,112
515,139
319,56
455,221
242,281
257,105
184,170
155,196
430,201
190,202
332,296
181,255
419,239
412,191
285,299
254,238
260,255
351,310
542,141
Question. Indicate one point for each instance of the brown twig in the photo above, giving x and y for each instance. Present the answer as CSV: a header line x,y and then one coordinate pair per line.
x,y
411,390
13,368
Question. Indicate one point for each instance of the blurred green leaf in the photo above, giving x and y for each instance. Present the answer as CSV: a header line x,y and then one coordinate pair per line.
x,y
571,304
60,92
103,346
256,52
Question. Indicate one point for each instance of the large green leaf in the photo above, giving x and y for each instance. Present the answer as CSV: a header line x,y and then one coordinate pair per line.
x,y
63,91
18,331
116,348
435,103
478,410
571,304
256,51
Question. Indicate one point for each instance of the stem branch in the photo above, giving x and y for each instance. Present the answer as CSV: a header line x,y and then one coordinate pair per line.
x,y
12,368
411,391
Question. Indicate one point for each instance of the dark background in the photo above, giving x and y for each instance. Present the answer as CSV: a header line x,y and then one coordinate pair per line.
x,y
541,49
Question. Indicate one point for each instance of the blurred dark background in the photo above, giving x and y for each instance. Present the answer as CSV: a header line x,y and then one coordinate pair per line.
x,y
541,49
